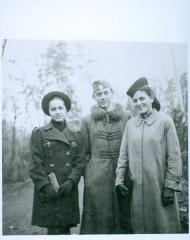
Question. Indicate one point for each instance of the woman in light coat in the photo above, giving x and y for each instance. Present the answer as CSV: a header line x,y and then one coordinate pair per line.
x,y
150,149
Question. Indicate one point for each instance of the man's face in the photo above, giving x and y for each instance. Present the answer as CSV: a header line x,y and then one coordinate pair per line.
x,y
103,97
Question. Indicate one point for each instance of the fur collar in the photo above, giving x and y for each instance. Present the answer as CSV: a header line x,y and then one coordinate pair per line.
x,y
115,114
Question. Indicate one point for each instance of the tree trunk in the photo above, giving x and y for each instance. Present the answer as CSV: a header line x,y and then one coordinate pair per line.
x,y
13,171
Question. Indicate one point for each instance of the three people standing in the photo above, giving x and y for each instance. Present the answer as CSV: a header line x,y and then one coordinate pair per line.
x,y
148,149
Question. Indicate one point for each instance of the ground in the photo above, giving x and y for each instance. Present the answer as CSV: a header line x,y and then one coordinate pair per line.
x,y
17,204
17,209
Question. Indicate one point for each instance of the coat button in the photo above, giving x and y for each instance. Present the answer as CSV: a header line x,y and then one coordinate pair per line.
x,y
67,152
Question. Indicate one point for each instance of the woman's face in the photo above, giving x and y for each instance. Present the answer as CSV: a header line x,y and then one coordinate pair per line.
x,y
142,102
57,109
104,97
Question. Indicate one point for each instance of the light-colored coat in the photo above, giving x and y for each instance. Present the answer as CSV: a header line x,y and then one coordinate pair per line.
x,y
151,149
103,133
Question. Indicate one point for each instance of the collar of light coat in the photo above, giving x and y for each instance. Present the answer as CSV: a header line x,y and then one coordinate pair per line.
x,y
54,134
149,121
116,113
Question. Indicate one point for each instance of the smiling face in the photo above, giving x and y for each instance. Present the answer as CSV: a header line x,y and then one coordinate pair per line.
x,y
142,102
57,109
104,97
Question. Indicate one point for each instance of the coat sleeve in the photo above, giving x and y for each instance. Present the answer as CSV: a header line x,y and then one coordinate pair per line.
x,y
127,116
174,163
37,170
85,133
123,159
79,162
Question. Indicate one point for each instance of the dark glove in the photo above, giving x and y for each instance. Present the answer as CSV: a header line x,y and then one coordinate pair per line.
x,y
167,196
66,188
48,192
122,190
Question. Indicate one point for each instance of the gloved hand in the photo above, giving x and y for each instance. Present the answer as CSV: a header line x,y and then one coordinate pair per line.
x,y
167,196
48,193
122,190
66,188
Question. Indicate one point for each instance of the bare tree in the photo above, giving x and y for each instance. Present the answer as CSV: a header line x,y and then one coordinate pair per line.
x,y
3,47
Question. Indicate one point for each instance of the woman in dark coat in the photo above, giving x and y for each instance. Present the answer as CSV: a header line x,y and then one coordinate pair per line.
x,y
103,131
150,149
57,163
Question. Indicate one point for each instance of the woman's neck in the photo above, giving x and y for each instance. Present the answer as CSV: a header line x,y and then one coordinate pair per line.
x,y
146,115
59,125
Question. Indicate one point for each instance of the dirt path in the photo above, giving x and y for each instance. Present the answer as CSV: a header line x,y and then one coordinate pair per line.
x,y
17,210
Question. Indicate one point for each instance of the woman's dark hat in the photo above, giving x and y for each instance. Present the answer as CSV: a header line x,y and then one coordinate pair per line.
x,y
137,85
141,82
49,96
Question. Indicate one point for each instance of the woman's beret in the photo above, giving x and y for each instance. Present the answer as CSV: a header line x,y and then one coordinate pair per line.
x,y
139,83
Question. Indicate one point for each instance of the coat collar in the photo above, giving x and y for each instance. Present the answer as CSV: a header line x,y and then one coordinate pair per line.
x,y
149,121
116,113
54,134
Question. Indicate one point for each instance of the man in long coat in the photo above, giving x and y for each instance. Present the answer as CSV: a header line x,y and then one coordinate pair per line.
x,y
103,130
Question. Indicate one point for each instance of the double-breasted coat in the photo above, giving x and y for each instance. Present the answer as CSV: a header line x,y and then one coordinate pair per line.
x,y
103,133
63,154
151,150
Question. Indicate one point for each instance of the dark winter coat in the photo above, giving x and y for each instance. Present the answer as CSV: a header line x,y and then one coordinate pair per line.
x,y
63,154
103,133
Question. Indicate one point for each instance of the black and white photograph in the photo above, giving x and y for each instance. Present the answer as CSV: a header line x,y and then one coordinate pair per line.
x,y
94,131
